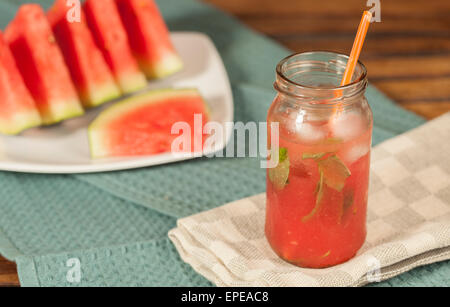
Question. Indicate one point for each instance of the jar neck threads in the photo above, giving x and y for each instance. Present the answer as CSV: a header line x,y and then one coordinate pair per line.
x,y
313,78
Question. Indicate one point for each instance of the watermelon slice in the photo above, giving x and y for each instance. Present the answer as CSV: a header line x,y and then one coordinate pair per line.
x,y
149,38
19,111
141,125
104,21
90,73
41,64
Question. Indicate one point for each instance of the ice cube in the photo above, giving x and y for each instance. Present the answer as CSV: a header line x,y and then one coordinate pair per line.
x,y
309,133
355,152
347,126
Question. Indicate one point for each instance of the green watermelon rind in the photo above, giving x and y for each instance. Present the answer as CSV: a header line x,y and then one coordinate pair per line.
x,y
100,94
61,111
168,66
95,134
132,83
21,122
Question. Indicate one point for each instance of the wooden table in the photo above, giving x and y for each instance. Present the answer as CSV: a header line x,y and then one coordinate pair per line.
x,y
407,54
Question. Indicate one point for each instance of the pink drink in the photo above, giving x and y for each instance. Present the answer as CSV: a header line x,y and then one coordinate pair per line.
x,y
317,195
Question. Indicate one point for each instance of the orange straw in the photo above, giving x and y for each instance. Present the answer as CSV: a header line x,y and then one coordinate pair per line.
x,y
354,55
357,46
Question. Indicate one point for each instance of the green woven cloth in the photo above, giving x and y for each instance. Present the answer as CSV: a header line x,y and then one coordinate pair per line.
x,y
116,224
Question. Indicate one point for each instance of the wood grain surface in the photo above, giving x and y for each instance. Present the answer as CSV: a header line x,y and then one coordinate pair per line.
x,y
8,274
407,54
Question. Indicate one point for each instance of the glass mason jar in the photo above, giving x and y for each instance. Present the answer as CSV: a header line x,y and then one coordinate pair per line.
x,y
317,193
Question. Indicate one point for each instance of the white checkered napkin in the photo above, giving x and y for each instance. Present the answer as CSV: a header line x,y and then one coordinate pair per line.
x,y
408,223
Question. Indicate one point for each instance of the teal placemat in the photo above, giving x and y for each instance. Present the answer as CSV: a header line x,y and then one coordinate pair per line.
x,y
116,224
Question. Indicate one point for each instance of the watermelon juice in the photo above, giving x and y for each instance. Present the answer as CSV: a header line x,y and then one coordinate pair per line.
x,y
317,193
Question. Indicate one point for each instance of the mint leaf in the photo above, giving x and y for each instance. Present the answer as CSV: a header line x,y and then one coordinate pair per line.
x,y
347,203
335,172
319,196
279,175
314,156
348,199
282,155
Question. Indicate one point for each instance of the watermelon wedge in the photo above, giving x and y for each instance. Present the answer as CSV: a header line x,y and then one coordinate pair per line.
x,y
142,125
90,73
41,64
149,38
106,26
18,110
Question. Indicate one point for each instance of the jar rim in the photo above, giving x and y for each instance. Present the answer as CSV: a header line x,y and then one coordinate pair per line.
x,y
360,80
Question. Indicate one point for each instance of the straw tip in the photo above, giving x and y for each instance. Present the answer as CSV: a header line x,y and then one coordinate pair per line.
x,y
368,15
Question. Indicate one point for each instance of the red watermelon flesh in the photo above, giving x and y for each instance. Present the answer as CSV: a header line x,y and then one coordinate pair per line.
x,y
92,77
18,110
41,64
149,38
106,26
142,125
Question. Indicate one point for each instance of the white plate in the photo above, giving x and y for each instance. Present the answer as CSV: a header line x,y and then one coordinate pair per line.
x,y
64,148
